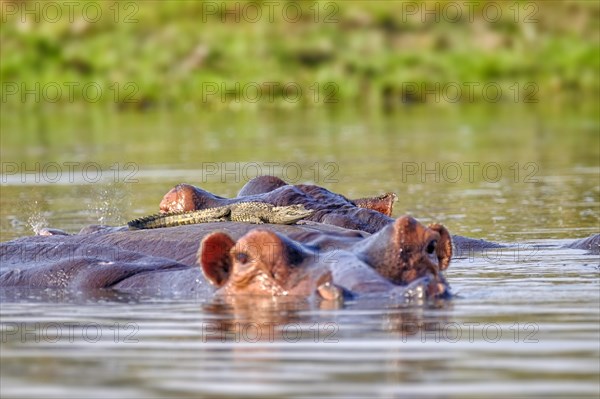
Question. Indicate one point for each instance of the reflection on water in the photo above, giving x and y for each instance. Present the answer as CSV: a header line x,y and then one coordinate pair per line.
x,y
524,321
526,328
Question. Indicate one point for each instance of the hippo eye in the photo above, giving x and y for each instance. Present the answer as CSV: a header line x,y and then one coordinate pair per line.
x,y
241,257
431,247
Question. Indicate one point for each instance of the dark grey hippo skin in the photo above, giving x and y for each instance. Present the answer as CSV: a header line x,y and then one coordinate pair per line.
x,y
167,259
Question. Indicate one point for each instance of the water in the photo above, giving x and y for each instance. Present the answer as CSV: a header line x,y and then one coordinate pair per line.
x,y
524,322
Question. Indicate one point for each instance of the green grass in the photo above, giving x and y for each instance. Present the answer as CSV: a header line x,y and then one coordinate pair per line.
x,y
189,53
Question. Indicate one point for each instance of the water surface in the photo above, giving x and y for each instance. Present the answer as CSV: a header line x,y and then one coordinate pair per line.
x,y
524,322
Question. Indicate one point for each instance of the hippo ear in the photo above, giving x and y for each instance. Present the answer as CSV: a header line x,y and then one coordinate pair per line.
x,y
383,204
183,198
444,247
214,259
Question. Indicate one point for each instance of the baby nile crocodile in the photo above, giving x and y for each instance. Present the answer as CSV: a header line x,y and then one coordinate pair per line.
x,y
249,212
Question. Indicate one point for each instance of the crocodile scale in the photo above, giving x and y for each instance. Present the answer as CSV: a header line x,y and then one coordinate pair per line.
x,y
248,212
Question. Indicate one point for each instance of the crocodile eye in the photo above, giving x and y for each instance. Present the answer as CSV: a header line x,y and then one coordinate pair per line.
x,y
241,257
431,247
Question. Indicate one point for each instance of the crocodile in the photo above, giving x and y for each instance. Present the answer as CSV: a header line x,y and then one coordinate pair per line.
x,y
249,212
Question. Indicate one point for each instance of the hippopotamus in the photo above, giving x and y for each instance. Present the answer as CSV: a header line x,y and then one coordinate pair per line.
x,y
236,259
349,248
366,214
590,244
369,214
176,198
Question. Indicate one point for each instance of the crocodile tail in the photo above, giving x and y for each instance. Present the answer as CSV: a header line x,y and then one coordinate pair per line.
x,y
148,222
172,219
160,220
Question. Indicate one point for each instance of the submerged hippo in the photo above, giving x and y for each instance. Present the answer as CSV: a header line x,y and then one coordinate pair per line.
x,y
263,184
236,259
369,214
365,214
349,247
590,244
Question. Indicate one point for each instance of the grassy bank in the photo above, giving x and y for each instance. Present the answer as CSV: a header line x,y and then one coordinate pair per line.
x,y
285,53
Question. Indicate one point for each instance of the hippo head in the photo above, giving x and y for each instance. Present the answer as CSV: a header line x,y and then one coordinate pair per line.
x,y
263,263
406,250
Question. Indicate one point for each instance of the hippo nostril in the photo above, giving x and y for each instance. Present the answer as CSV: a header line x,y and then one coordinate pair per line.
x,y
431,247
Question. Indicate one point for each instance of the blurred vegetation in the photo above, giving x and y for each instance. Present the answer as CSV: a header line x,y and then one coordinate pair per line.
x,y
221,53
